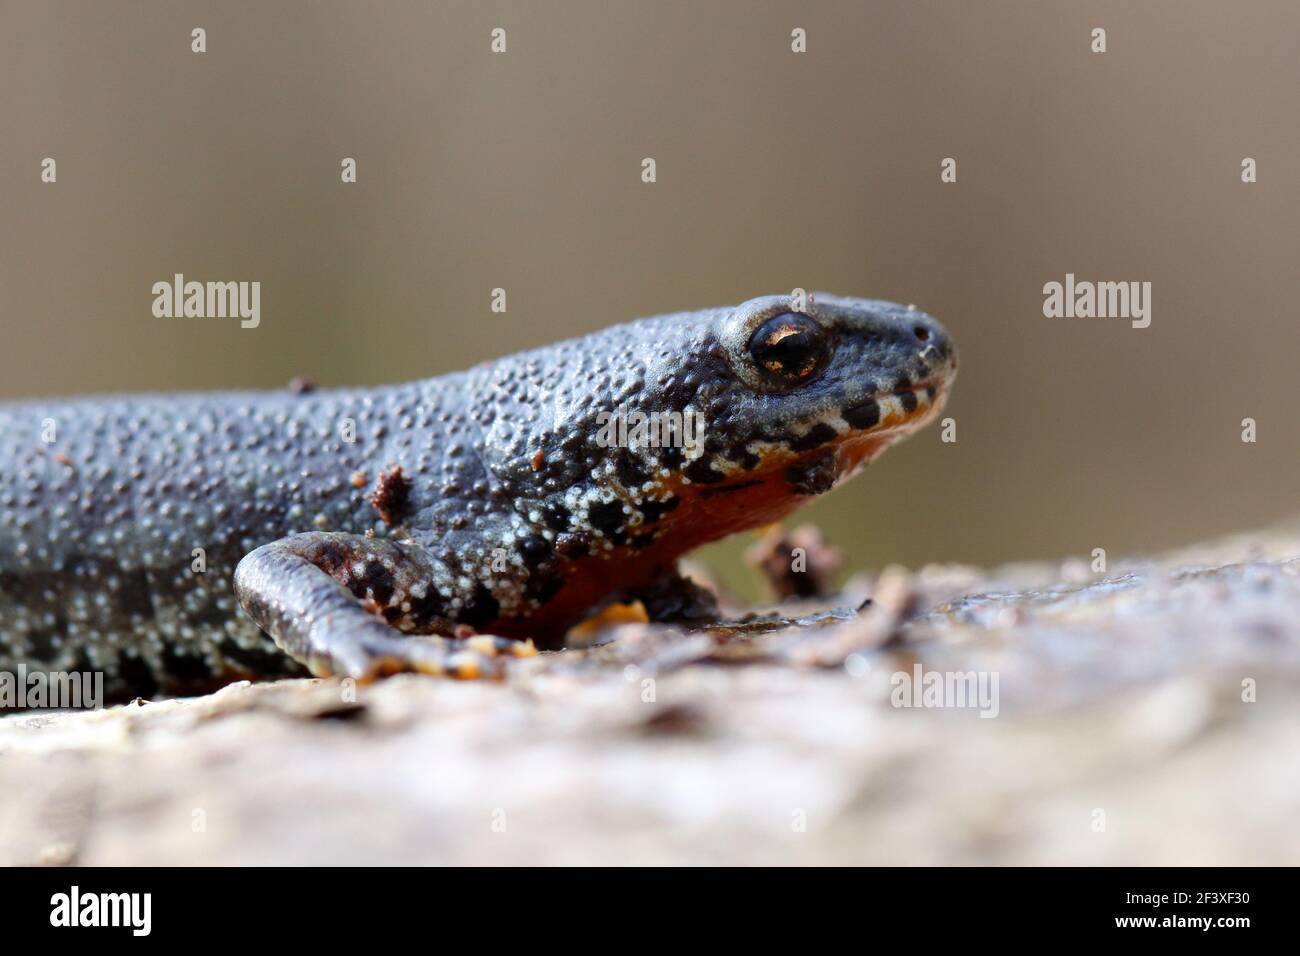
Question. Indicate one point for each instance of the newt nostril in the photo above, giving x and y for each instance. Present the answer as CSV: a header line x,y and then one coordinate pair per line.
x,y
931,342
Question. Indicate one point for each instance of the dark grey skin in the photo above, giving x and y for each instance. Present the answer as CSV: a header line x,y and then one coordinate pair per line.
x,y
176,542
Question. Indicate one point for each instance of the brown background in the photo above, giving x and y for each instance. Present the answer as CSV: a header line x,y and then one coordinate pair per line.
x,y
775,170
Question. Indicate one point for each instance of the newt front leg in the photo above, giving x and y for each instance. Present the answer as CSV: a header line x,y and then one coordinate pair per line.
x,y
349,605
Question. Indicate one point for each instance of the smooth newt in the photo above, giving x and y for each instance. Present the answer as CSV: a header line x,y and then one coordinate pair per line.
x,y
438,525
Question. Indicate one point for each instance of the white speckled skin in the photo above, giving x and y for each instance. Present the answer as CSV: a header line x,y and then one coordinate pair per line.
x,y
505,495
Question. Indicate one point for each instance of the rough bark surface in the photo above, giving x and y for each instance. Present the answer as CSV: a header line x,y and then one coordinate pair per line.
x,y
1146,714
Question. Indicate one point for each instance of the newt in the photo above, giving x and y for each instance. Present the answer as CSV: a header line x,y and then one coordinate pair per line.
x,y
177,542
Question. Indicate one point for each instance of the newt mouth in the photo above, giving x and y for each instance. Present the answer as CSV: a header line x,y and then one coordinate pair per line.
x,y
879,422
907,407
839,443
859,430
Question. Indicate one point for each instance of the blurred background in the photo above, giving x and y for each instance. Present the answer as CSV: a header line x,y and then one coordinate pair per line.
x,y
775,170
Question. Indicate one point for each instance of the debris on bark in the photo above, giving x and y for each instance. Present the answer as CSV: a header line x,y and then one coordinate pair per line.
x,y
796,564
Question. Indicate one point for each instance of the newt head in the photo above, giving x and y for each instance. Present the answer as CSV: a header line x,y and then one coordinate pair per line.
x,y
822,392
683,428
802,401
625,449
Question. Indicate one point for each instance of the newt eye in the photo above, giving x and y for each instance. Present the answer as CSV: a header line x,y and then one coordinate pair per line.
x,y
790,348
